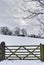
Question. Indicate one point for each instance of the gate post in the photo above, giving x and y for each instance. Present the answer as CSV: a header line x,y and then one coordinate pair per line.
x,y
42,52
2,51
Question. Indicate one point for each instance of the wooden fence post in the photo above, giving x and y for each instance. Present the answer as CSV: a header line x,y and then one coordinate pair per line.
x,y
42,52
2,51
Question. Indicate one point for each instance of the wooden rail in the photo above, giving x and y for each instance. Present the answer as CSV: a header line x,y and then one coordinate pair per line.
x,y
22,52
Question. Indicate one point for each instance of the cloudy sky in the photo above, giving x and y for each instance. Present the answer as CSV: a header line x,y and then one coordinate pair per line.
x,y
11,14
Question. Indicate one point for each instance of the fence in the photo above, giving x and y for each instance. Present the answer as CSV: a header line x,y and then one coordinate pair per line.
x,y
21,52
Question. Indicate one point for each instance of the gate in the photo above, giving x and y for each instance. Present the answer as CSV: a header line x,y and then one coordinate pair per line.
x,y
22,52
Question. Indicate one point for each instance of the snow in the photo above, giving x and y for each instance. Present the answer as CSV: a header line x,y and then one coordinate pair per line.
x,y
17,40
22,62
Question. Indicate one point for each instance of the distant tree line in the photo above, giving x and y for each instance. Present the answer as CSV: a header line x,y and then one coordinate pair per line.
x,y
17,32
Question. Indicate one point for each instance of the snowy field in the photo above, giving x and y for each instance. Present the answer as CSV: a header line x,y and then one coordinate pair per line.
x,y
17,40
14,40
22,62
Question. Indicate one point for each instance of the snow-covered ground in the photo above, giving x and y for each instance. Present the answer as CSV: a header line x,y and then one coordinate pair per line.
x,y
14,40
22,62
17,40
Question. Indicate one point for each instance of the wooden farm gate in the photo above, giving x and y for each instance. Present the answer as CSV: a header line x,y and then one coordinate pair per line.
x,y
22,52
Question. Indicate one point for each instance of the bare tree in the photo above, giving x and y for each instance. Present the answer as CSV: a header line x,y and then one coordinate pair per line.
x,y
36,9
29,9
4,30
17,31
24,32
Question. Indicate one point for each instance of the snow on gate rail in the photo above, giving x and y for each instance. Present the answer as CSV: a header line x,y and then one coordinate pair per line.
x,y
22,52
19,52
